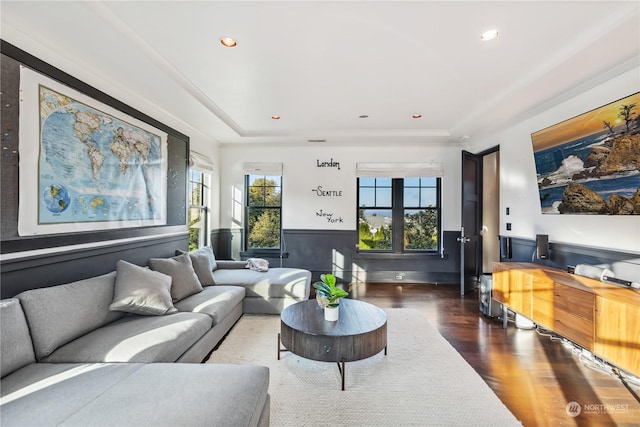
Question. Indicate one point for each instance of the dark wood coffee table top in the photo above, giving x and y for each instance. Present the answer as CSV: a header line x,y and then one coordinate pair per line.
x,y
360,332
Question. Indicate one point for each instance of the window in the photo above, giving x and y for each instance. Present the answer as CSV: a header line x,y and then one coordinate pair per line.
x,y
375,216
421,213
399,214
198,209
264,212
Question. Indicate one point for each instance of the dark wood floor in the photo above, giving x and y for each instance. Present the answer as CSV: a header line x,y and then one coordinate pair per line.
x,y
534,375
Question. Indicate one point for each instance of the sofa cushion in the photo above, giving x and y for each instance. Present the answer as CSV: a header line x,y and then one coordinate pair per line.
x,y
59,314
203,395
204,262
184,281
141,291
135,394
136,339
215,301
63,390
275,283
16,349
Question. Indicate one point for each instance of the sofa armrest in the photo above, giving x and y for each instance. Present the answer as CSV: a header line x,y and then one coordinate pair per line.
x,y
230,265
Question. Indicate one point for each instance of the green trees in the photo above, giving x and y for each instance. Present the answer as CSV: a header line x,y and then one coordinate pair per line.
x,y
264,228
421,230
194,230
364,234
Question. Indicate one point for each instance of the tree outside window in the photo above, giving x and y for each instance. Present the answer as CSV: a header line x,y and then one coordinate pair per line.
x,y
399,214
264,212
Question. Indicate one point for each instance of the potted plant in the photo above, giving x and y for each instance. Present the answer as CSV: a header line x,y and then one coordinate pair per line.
x,y
328,295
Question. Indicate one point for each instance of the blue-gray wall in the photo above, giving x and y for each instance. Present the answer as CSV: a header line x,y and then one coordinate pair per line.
x,y
334,251
44,270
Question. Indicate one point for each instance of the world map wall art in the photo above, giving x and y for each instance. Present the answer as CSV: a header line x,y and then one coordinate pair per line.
x,y
590,164
84,165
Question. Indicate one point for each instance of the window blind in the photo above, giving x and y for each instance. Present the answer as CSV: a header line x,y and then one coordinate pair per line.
x,y
200,161
258,168
399,170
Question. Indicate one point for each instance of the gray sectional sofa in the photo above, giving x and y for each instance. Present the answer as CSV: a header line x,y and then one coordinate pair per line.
x,y
101,351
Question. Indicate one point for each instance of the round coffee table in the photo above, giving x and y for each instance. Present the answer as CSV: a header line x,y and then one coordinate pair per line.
x,y
360,332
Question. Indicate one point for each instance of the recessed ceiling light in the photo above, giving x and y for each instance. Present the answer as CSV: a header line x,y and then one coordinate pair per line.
x,y
416,116
228,42
489,35
363,116
275,117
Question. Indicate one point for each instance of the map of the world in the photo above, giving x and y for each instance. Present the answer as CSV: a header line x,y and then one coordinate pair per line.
x,y
94,166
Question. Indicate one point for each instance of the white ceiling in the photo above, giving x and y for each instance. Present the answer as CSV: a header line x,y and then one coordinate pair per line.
x,y
320,65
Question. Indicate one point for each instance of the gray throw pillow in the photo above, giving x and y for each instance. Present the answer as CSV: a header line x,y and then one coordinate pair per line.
x,y
141,291
184,279
204,263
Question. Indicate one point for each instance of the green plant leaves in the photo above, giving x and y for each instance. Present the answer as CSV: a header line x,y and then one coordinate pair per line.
x,y
329,279
328,289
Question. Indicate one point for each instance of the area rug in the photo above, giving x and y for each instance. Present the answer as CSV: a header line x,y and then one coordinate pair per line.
x,y
422,381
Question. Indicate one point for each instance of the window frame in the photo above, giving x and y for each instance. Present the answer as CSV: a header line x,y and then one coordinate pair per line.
x,y
397,215
205,195
255,250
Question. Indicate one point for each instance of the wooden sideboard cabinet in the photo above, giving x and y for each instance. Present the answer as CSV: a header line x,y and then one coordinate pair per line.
x,y
600,317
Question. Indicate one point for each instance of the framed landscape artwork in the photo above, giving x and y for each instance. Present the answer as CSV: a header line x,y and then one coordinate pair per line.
x,y
590,164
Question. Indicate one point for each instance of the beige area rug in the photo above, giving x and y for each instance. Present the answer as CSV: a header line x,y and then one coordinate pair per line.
x,y
422,381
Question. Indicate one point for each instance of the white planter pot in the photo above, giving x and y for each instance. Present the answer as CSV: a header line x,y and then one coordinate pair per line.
x,y
331,313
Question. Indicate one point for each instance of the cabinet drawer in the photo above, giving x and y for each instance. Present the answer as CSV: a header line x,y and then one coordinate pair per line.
x,y
577,302
575,328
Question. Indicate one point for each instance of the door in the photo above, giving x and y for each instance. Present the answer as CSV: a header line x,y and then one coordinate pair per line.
x,y
470,239
490,210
